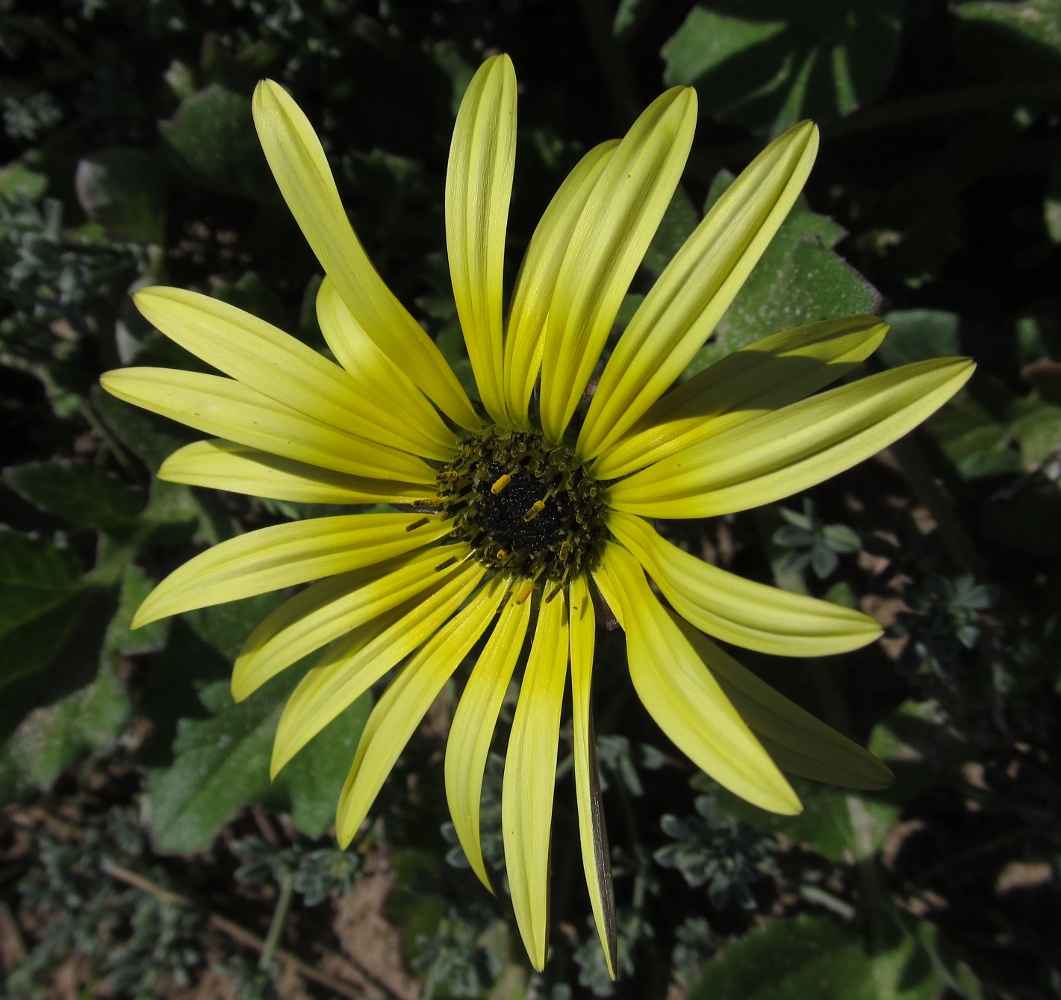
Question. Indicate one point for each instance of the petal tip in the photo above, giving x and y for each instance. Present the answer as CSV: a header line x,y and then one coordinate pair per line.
x,y
241,690
878,775
145,615
277,762
346,823
788,805
147,294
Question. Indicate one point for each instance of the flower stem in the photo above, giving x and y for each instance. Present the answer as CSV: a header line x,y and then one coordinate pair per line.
x,y
612,59
276,926
959,546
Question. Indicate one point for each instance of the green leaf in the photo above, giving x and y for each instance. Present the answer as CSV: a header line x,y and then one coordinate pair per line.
x,y
124,191
817,957
1028,518
81,494
1052,203
920,746
918,335
253,295
212,136
973,439
675,228
222,762
308,788
1011,40
768,63
1038,432
120,639
52,738
187,666
836,823
226,626
1002,435
209,756
800,958
799,279
17,179
150,437
51,626
630,15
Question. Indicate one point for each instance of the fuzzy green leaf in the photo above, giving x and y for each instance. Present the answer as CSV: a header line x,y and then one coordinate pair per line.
x,y
817,957
213,140
56,736
51,626
124,190
919,334
836,823
82,494
798,280
768,64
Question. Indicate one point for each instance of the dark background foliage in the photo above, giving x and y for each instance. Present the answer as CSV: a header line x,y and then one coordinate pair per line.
x,y
145,852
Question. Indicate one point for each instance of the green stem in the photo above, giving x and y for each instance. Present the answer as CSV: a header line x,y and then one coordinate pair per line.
x,y
957,101
872,903
276,926
613,60
109,440
919,475
867,871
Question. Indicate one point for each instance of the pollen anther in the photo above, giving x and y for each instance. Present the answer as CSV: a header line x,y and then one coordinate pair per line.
x,y
536,508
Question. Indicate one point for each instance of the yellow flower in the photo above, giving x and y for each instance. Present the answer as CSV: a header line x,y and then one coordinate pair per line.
x,y
532,499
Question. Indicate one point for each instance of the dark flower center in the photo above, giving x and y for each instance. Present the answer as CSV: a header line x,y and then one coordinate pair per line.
x,y
523,506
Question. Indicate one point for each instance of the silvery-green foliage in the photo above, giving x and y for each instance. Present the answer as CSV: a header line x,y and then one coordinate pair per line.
x,y
29,118
813,543
713,850
459,959
317,873
632,928
943,620
490,838
695,944
131,938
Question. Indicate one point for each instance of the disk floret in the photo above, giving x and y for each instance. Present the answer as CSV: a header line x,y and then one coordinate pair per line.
x,y
524,506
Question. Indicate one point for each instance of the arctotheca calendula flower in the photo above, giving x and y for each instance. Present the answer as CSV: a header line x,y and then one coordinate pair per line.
x,y
526,503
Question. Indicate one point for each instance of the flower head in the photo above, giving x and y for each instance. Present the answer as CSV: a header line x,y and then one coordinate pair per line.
x,y
531,500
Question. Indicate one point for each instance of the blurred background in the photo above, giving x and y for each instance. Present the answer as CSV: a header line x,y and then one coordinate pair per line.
x,y
143,851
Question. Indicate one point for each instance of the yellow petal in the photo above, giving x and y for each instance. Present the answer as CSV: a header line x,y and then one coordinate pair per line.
x,y
798,742
530,775
404,704
224,465
683,307
285,555
379,380
230,409
537,278
606,248
764,376
301,169
596,861
352,666
482,156
282,368
782,453
470,733
683,697
740,611
330,609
